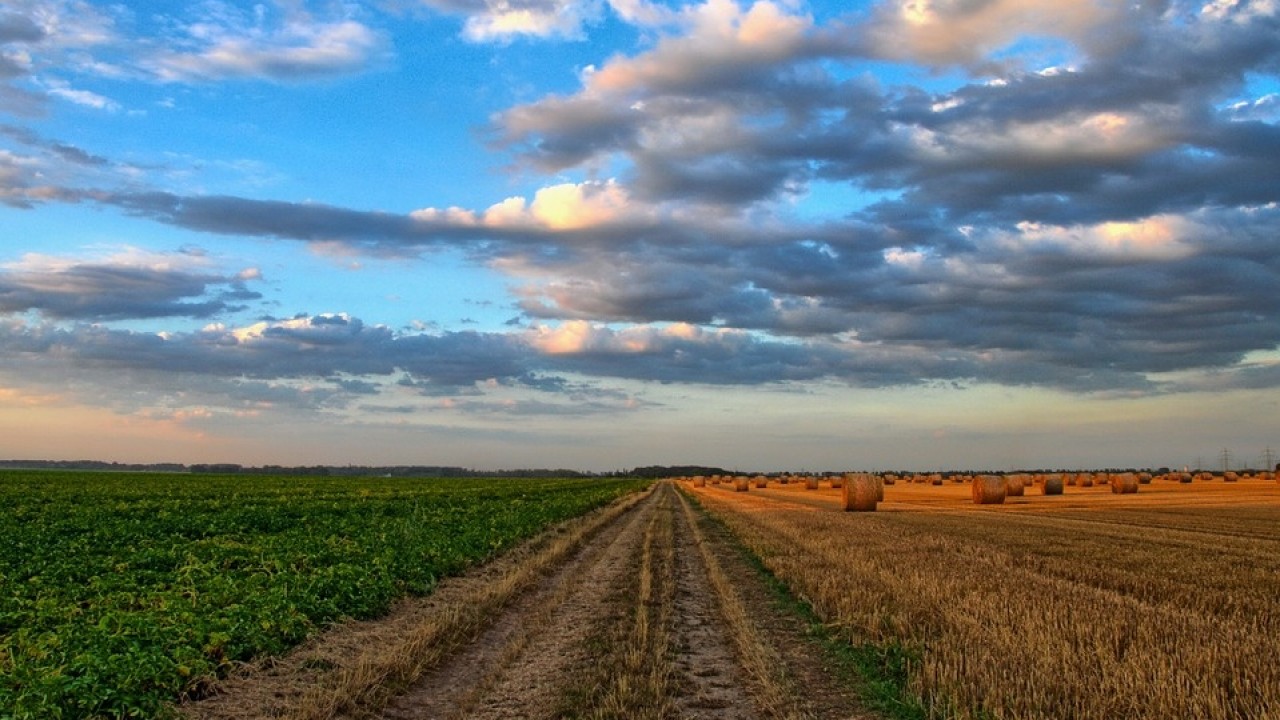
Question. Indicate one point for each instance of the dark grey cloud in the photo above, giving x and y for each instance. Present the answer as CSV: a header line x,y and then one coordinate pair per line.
x,y
69,153
264,218
272,362
102,292
17,28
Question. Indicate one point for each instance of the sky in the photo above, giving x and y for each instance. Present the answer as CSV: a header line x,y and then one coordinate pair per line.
x,y
787,235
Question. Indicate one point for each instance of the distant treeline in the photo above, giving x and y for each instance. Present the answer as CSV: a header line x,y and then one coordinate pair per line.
x,y
317,470
648,471
662,471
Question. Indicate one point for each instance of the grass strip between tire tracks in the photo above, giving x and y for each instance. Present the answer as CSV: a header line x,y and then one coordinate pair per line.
x,y
633,675
774,690
879,673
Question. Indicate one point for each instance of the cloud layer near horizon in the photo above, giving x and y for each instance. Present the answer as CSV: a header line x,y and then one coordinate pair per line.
x,y
1071,195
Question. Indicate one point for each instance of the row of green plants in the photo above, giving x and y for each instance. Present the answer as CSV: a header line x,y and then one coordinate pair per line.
x,y
121,593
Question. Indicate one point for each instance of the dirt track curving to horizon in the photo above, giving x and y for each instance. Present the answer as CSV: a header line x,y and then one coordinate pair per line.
x,y
643,610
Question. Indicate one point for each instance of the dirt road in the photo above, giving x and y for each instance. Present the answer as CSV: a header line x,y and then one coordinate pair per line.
x,y
644,610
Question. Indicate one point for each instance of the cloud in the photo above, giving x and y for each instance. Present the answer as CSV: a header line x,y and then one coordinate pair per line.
x,y
692,114
1098,225
726,115
128,286
227,44
568,206
41,41
503,20
84,98
960,32
56,47
16,28
69,153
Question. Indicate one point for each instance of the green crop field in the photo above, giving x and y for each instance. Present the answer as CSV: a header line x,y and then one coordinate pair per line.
x,y
120,593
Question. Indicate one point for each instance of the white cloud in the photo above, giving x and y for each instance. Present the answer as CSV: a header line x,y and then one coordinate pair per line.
x,y
718,34
1162,237
503,20
567,206
1240,11
226,45
641,12
126,256
1072,137
580,336
85,98
954,32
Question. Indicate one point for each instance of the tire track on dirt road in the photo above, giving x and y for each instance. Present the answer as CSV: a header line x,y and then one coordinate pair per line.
x,y
515,668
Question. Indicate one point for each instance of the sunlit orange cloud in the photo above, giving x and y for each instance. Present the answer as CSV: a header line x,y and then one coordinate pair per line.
x,y
577,336
1155,237
566,206
54,429
719,30
13,397
947,32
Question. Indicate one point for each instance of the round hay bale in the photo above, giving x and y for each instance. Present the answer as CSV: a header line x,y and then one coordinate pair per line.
x,y
1184,478
836,481
935,479
1084,480
989,490
1015,485
1144,478
699,481
861,493
762,481
1124,483
1230,476
811,483
891,480
741,484
1052,484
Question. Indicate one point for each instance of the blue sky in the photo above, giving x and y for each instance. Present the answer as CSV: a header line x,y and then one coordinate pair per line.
x,y
907,234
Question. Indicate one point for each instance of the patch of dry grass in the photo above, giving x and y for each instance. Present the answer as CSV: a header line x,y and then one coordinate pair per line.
x,y
636,677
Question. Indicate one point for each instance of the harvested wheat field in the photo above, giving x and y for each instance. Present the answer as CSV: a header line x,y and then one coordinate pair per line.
x,y
1101,602
645,609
